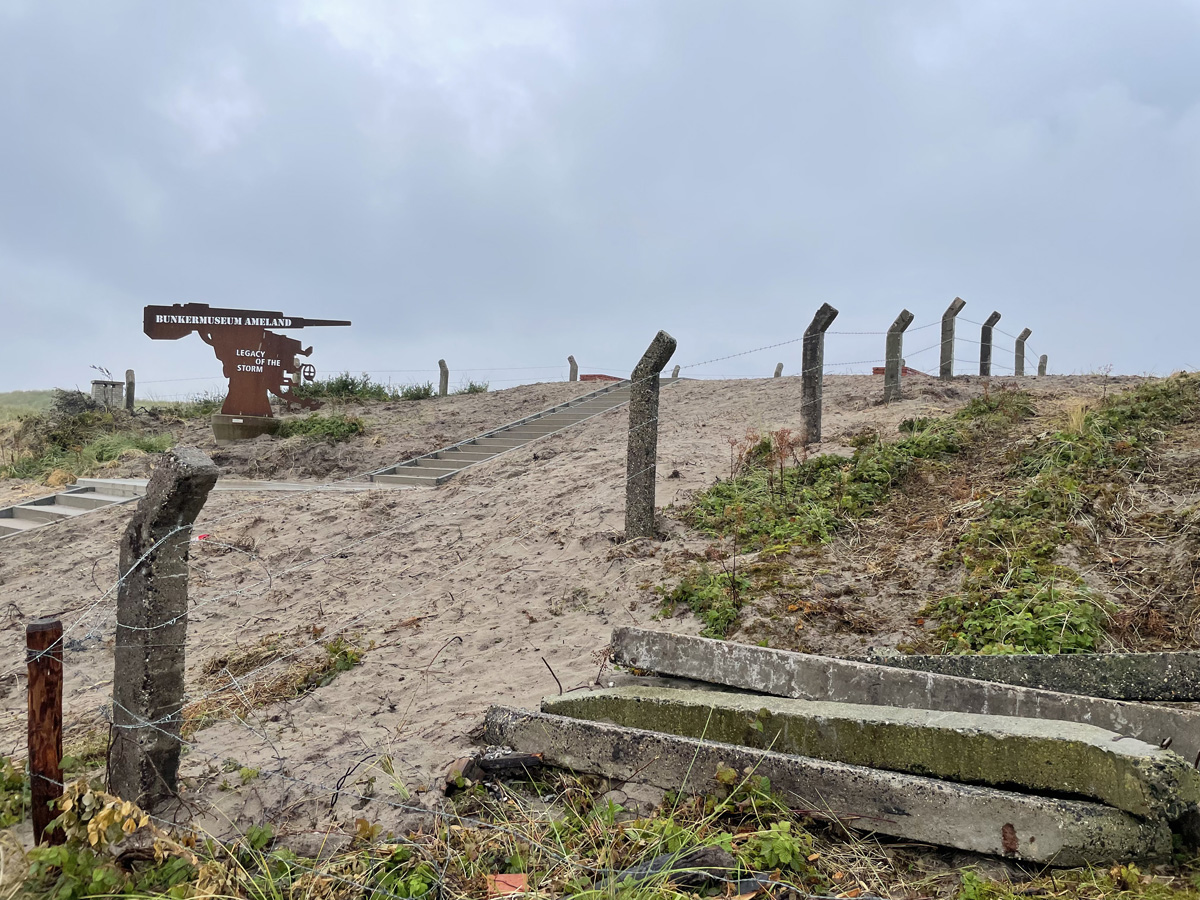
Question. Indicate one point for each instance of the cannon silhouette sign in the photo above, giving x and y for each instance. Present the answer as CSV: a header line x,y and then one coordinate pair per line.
x,y
256,360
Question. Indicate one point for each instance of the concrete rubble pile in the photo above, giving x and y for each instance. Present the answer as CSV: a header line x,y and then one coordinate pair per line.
x,y
1020,772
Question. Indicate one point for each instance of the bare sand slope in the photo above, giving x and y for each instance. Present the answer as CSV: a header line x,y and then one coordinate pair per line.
x,y
471,594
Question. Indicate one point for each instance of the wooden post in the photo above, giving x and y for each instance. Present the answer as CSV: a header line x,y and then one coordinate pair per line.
x,y
675,372
129,385
893,363
44,656
642,452
444,379
779,370
812,374
574,371
1042,364
946,369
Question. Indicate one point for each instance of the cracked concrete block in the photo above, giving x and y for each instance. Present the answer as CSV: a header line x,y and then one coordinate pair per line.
x,y
977,819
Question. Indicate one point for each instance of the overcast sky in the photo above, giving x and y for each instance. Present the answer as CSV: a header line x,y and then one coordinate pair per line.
x,y
503,184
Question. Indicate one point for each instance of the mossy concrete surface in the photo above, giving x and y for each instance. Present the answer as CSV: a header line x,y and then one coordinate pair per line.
x,y
1023,827
1170,677
808,677
1064,758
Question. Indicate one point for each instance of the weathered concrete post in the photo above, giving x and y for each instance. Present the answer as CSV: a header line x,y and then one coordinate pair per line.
x,y
675,372
1019,352
443,379
643,437
129,385
893,364
574,376
946,371
1042,363
985,344
152,628
779,370
812,374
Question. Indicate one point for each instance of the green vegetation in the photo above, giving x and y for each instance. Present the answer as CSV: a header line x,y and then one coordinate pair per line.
x,y
75,438
775,499
346,387
14,793
332,428
200,406
1015,596
14,404
417,391
583,845
473,387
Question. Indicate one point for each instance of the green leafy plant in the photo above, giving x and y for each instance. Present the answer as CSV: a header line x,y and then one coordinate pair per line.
x,y
332,428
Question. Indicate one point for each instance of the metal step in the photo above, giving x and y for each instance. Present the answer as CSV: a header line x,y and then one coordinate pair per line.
x,y
44,512
415,480
111,487
89,499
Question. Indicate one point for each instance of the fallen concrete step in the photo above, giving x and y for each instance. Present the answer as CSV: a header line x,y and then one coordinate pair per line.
x,y
1029,755
910,807
1172,677
806,677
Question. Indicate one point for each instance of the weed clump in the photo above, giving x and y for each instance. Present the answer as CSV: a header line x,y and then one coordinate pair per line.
x,y
473,387
1015,597
331,428
76,437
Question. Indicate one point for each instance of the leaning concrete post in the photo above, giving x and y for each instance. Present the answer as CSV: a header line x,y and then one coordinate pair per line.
x,y
893,364
152,627
675,372
812,374
129,389
444,380
1019,353
985,344
643,437
946,372
1042,363
574,376
779,370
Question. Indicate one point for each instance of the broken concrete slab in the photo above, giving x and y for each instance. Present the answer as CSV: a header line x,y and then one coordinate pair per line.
x,y
807,677
1171,677
977,819
1029,755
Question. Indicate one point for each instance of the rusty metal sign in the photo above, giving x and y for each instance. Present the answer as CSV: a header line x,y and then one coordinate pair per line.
x,y
256,360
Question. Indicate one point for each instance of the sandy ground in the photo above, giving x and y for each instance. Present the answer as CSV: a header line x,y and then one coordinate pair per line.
x,y
484,591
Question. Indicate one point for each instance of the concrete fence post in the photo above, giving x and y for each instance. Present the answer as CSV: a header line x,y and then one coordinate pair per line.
x,y
893,364
152,628
1019,352
779,370
574,376
44,659
985,344
675,372
643,437
949,317
1042,364
812,374
443,379
129,389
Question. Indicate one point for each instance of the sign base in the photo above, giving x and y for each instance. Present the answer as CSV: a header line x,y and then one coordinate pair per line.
x,y
228,429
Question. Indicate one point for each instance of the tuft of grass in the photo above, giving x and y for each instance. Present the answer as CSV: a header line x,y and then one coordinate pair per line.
x,y
473,387
332,428
417,391
345,386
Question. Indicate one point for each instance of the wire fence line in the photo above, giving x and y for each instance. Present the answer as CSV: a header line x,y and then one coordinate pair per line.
x,y
443,516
